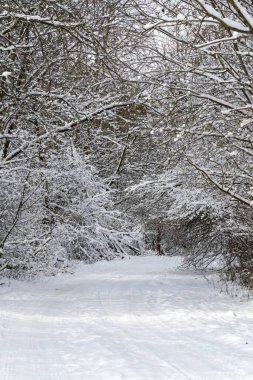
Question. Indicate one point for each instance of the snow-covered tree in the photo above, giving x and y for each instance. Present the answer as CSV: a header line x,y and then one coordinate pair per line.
x,y
59,78
202,100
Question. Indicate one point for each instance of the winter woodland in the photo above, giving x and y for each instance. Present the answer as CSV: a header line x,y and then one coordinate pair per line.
x,y
126,126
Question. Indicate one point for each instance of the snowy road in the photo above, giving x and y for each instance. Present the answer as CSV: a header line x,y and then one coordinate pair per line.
x,y
136,319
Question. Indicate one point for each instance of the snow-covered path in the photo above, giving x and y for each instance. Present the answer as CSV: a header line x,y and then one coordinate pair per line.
x,y
136,319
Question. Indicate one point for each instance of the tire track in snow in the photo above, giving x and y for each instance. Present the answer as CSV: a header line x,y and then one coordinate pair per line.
x,y
170,370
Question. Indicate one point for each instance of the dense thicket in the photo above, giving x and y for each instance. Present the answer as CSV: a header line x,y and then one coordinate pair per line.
x,y
204,91
134,108
60,79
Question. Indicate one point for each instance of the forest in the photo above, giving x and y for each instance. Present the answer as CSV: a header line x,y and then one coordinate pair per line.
x,y
126,126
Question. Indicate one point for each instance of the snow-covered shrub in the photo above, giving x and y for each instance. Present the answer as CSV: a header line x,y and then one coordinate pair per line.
x,y
86,223
24,235
204,226
58,212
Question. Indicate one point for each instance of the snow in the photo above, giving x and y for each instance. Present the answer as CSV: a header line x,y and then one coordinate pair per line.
x,y
137,319
152,25
180,17
248,17
227,21
235,36
6,74
37,18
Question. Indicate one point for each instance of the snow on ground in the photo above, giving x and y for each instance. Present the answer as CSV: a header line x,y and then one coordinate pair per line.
x,y
133,319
